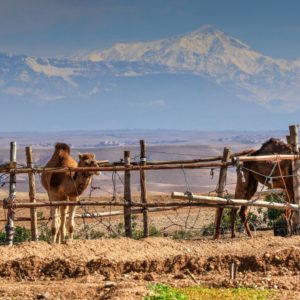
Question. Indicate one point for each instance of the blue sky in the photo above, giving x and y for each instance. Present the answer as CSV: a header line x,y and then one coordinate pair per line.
x,y
64,27
68,27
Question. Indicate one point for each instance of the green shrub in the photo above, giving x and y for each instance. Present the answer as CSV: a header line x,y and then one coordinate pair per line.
x,y
182,234
45,234
164,292
21,235
274,214
153,231
240,293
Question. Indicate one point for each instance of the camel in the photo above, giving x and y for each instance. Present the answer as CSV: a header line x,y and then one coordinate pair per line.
x,y
246,187
66,186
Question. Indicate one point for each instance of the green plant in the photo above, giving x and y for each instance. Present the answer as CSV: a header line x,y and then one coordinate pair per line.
x,y
118,231
274,214
153,231
40,215
182,234
44,234
95,234
164,292
240,293
22,234
136,233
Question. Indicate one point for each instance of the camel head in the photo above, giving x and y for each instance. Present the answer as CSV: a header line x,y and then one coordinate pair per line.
x,y
88,160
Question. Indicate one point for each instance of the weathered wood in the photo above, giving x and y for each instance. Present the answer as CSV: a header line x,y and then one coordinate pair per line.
x,y
190,161
268,157
296,170
134,166
116,213
221,191
235,202
9,228
117,168
143,161
103,162
294,137
32,194
6,167
127,195
121,204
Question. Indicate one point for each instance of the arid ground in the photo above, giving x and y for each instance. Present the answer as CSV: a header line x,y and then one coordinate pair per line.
x,y
123,269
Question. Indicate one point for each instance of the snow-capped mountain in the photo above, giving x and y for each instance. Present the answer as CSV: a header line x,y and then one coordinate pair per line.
x,y
272,83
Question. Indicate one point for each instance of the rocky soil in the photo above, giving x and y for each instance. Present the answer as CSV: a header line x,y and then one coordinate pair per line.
x,y
123,268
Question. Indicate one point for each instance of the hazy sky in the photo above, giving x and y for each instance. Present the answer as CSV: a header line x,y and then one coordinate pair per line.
x,y
58,28
64,27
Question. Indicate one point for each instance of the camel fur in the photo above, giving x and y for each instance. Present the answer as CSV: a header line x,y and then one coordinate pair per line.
x,y
66,186
247,183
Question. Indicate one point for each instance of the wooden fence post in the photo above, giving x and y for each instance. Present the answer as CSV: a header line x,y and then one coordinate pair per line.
x,y
296,172
127,196
221,191
32,192
143,162
9,203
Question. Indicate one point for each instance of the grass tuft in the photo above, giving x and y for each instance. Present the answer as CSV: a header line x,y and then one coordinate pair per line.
x,y
164,292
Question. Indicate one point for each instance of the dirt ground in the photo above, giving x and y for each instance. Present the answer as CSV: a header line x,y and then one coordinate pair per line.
x,y
123,269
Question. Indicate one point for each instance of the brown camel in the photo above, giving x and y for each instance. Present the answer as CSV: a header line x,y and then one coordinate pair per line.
x,y
66,186
247,186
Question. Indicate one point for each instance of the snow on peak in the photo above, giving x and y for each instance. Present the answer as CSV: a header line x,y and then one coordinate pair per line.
x,y
205,49
210,52
50,70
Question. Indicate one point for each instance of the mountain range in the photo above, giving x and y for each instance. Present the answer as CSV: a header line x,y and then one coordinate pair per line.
x,y
206,52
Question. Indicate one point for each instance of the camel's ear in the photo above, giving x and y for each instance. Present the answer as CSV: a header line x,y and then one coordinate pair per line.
x,y
93,156
80,155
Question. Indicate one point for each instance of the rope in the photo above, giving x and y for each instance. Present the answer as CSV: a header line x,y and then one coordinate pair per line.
x,y
252,201
286,190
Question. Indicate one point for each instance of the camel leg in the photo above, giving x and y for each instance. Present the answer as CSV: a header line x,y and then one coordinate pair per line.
x,y
288,215
71,220
239,194
55,224
243,215
232,221
218,220
63,217
291,221
251,189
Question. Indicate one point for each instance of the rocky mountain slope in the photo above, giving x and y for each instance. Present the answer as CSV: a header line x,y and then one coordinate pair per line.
x,y
206,52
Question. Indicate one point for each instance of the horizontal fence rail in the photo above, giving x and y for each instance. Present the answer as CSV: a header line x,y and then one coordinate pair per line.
x,y
235,202
115,168
275,157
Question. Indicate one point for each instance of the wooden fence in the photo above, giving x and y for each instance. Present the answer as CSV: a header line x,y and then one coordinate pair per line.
x,y
130,207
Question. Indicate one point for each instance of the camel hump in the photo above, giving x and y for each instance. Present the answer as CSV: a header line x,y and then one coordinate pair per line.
x,y
62,146
277,144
